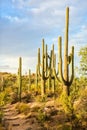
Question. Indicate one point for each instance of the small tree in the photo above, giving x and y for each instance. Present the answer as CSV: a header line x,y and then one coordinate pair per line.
x,y
83,60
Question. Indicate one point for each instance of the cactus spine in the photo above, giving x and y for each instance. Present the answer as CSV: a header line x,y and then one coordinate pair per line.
x,y
67,60
20,79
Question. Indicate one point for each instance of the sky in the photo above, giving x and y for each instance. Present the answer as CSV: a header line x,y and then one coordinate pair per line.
x,y
24,23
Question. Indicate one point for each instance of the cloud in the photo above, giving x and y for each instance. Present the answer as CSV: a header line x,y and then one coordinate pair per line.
x,y
15,19
20,3
25,22
11,63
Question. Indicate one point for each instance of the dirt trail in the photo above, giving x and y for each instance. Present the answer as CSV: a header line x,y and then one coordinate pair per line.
x,y
56,120
12,120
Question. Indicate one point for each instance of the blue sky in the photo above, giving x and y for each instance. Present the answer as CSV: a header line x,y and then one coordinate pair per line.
x,y
23,24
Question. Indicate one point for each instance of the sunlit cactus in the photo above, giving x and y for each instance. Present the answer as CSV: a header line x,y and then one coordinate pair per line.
x,y
2,83
48,64
29,85
65,77
43,64
37,77
20,79
53,66
50,72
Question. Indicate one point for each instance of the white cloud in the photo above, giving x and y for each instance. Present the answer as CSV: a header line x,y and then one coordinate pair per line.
x,y
10,64
15,19
50,13
42,18
21,3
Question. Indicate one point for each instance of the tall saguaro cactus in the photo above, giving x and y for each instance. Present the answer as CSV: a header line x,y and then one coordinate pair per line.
x,y
65,79
29,86
53,67
44,67
36,77
20,79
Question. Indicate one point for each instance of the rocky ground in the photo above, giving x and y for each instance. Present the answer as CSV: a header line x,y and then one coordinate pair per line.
x,y
39,116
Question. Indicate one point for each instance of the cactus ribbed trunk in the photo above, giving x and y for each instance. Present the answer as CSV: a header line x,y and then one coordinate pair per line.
x,y
66,76
43,71
2,84
37,77
20,79
53,67
53,85
66,46
29,86
49,81
38,56
46,61
42,87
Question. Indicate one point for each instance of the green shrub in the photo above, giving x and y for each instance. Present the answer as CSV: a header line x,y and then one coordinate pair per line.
x,y
22,108
5,97
42,117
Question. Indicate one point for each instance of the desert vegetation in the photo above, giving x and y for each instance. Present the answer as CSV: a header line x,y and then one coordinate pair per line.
x,y
52,98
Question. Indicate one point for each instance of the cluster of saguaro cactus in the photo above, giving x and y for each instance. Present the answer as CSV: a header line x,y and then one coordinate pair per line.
x,y
20,79
49,71
46,66
43,74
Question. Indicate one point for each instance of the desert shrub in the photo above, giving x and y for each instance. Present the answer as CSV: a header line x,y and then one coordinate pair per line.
x,y
35,108
27,97
14,98
5,96
81,107
41,98
42,116
67,103
22,108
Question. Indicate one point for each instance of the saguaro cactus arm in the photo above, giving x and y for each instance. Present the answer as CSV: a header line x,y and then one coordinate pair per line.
x,y
60,60
44,64
72,66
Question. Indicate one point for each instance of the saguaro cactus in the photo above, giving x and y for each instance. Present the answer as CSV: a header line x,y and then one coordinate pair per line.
x,y
47,65
53,66
37,77
50,71
65,79
20,79
44,66
2,83
29,86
